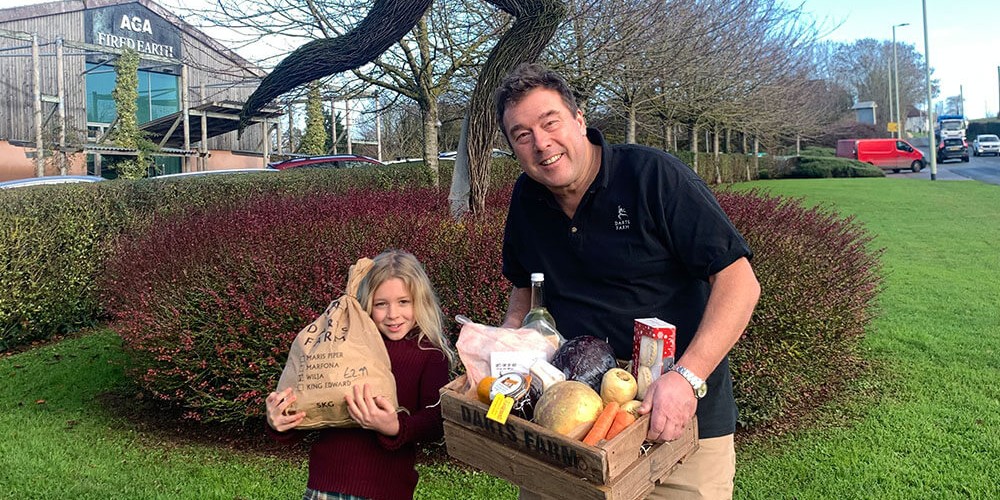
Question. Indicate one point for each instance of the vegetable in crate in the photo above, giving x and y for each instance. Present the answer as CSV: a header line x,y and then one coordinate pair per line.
x,y
618,385
585,359
568,408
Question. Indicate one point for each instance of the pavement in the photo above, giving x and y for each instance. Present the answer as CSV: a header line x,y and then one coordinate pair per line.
x,y
951,171
944,173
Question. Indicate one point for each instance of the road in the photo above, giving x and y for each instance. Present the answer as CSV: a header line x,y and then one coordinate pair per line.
x,y
982,168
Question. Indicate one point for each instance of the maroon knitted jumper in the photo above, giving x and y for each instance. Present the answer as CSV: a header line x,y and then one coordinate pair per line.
x,y
367,464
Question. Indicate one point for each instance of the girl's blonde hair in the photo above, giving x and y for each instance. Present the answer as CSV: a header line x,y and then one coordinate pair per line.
x,y
426,308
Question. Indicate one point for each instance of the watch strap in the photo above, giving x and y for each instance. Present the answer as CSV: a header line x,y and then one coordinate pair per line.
x,y
697,384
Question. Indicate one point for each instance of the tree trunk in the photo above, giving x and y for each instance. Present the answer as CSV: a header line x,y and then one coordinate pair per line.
x,y
431,139
715,141
458,198
694,146
756,156
536,22
718,170
630,132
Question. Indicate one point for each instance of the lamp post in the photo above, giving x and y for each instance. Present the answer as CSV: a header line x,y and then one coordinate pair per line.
x,y
895,64
932,146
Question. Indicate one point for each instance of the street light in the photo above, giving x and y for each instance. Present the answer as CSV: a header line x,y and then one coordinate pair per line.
x,y
932,145
895,64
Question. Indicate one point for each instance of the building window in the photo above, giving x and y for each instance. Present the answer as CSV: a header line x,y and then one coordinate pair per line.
x,y
159,95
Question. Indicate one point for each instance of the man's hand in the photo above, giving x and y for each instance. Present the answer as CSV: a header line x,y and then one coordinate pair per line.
x,y
671,404
277,403
372,412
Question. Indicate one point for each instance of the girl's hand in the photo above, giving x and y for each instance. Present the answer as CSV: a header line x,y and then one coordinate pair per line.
x,y
372,412
277,403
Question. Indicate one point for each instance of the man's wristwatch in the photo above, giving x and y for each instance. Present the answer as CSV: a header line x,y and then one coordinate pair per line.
x,y
698,385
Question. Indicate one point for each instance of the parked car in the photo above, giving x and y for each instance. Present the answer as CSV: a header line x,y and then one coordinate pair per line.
x,y
222,171
328,161
986,144
50,179
953,149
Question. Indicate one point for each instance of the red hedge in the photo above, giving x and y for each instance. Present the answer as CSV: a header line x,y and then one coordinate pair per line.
x,y
208,303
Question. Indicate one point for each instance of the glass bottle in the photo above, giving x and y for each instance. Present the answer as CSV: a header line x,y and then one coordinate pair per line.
x,y
539,317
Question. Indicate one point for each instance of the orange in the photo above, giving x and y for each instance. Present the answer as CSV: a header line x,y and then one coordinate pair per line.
x,y
483,389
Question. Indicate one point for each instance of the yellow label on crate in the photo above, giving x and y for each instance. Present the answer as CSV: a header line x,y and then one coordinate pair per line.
x,y
500,408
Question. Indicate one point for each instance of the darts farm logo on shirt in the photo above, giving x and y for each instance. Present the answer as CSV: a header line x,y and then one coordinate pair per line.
x,y
622,221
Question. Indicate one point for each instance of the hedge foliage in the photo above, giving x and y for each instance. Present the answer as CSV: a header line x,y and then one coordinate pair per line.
x,y
819,275
818,167
208,279
49,251
727,168
209,321
53,239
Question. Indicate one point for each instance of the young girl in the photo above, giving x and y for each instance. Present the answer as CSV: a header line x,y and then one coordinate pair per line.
x,y
377,460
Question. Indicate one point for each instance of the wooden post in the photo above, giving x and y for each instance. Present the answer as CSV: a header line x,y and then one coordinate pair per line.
x,y
277,127
333,124
203,156
347,123
291,127
186,109
36,90
378,130
266,129
61,96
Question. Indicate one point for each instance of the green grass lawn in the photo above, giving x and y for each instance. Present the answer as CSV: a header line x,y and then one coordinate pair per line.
x,y
933,428
924,424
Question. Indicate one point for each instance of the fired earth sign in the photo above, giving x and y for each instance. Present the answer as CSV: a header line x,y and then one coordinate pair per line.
x,y
133,26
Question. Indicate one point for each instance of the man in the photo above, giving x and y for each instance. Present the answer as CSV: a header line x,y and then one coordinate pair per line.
x,y
624,232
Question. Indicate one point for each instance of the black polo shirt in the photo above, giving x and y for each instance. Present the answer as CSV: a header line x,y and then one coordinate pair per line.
x,y
645,238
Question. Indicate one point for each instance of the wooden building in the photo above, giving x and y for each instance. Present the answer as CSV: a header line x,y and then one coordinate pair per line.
x,y
57,74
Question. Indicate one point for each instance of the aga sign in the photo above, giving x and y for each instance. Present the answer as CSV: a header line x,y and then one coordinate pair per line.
x,y
133,26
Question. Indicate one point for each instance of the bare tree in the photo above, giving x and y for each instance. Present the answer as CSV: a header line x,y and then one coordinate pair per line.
x,y
446,42
864,68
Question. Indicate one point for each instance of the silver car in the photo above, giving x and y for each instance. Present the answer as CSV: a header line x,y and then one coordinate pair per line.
x,y
986,144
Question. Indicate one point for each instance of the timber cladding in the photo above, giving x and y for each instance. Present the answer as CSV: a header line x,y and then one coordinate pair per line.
x,y
95,33
554,466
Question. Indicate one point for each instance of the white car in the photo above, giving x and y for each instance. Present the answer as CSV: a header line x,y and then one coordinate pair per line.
x,y
50,179
986,144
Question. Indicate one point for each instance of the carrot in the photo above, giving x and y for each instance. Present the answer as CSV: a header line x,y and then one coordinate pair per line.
x,y
602,424
623,419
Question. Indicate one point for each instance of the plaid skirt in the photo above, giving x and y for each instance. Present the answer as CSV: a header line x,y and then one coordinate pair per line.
x,y
312,494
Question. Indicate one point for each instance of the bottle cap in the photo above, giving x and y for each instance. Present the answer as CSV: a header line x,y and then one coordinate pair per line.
x,y
537,276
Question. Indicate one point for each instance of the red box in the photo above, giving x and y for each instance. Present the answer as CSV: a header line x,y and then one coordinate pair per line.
x,y
654,345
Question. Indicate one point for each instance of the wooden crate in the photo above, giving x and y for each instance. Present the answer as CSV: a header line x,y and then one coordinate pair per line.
x,y
551,465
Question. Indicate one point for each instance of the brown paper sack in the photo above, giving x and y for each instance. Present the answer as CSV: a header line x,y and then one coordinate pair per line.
x,y
340,349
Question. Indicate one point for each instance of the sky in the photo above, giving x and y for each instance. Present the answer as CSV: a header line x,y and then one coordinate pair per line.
x,y
963,38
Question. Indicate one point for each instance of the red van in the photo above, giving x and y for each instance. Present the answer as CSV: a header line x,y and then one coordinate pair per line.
x,y
887,154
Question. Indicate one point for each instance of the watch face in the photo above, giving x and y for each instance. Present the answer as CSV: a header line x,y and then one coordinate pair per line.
x,y
701,391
